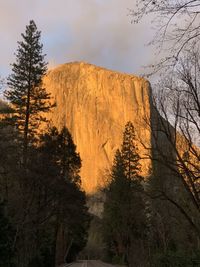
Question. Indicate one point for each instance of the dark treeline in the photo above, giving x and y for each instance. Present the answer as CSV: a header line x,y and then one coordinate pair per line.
x,y
43,214
148,222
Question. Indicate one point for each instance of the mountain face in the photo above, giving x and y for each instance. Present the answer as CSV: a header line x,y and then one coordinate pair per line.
x,y
95,104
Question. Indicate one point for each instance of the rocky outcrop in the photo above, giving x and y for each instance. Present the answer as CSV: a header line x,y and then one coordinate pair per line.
x,y
95,104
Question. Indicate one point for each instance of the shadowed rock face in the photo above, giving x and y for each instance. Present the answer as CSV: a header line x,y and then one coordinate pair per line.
x,y
95,104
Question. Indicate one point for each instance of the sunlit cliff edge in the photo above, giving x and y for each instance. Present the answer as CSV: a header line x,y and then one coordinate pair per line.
x,y
95,104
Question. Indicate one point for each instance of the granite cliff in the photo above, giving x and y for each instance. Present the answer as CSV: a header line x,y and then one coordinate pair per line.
x,y
95,104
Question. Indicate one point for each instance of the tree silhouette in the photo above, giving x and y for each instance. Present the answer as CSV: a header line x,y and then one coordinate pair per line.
x,y
124,209
26,94
130,154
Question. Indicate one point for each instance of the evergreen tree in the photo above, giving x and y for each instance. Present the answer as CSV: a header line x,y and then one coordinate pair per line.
x,y
50,216
115,207
26,93
60,166
124,210
61,150
130,153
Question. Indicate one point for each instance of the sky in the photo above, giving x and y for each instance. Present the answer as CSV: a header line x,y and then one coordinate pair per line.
x,y
95,31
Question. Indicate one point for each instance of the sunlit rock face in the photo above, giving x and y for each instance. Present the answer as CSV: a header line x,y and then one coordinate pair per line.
x,y
95,104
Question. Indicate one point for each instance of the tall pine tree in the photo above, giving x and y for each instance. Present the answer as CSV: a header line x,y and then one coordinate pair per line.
x,y
130,154
124,209
26,93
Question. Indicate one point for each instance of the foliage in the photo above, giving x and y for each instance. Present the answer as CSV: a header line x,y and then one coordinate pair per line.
x,y
45,199
6,234
26,94
124,216
61,150
175,259
129,151
58,155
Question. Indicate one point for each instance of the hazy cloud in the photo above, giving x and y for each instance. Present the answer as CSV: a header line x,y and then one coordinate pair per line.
x,y
96,31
